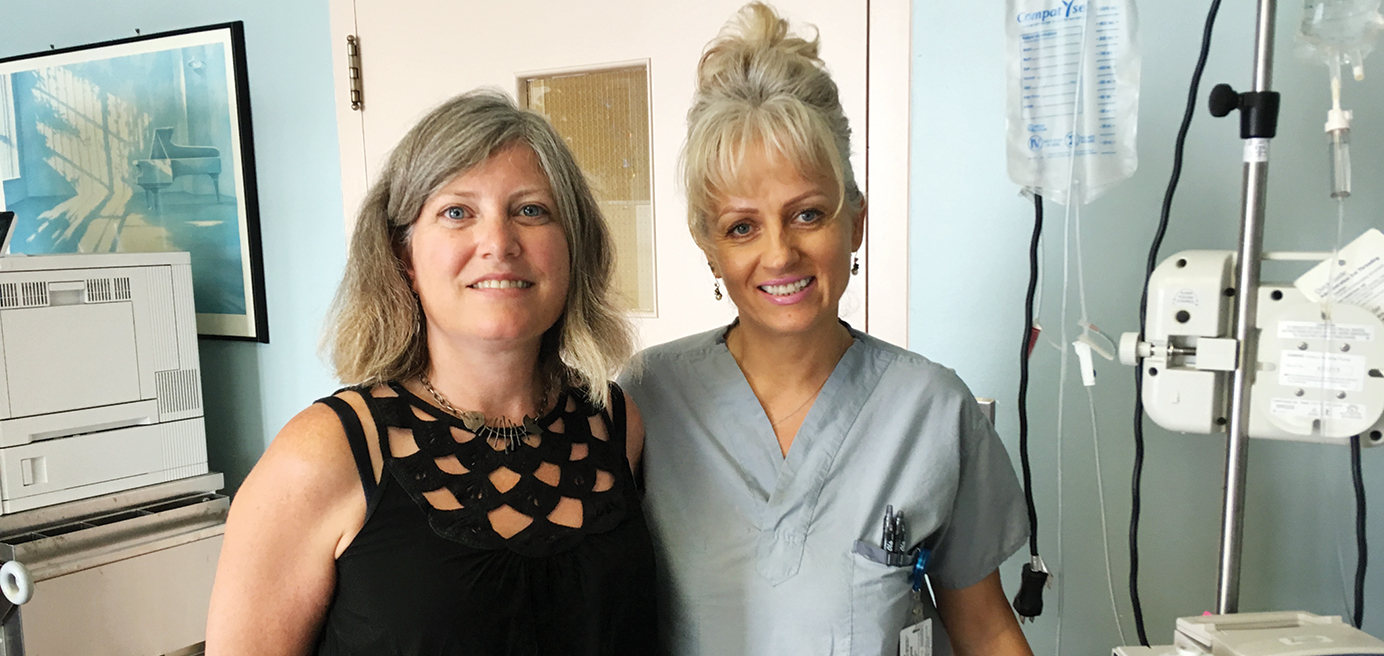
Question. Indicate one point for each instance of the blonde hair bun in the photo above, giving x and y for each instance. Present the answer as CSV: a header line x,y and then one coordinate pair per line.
x,y
755,47
759,85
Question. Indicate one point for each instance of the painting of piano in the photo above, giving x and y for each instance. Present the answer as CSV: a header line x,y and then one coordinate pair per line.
x,y
141,144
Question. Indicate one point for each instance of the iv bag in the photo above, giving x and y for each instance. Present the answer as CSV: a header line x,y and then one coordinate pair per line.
x,y
1073,95
1340,32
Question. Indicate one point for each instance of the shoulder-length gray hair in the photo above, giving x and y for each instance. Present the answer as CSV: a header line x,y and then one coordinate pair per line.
x,y
375,330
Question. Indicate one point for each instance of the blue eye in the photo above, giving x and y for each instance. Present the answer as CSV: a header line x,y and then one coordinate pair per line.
x,y
454,213
809,216
739,230
533,211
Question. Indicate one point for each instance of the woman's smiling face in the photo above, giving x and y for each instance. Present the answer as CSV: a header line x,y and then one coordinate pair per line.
x,y
782,244
487,257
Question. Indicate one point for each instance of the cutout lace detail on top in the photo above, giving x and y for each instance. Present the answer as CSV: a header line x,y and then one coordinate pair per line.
x,y
539,499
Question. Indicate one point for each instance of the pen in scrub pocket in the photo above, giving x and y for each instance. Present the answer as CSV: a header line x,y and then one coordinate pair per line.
x,y
888,540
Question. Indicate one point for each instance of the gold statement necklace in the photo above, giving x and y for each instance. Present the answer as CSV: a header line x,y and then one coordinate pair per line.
x,y
500,432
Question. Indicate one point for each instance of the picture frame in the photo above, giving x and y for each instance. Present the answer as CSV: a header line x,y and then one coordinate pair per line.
x,y
141,144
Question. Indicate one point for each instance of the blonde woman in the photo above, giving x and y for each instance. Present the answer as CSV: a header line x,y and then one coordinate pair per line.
x,y
472,492
780,446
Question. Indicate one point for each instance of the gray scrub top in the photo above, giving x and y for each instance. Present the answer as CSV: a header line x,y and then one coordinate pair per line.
x,y
756,549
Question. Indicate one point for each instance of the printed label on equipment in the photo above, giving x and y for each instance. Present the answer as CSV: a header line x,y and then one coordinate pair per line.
x,y
1339,332
1356,277
1303,409
1256,150
916,640
1318,370
1186,297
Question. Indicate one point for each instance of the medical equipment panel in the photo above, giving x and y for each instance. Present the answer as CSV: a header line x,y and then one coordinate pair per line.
x,y
1317,378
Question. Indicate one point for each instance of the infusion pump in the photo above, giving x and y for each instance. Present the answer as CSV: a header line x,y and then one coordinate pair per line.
x,y
1316,380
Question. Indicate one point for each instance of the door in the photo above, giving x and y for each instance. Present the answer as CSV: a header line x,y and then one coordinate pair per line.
x,y
415,54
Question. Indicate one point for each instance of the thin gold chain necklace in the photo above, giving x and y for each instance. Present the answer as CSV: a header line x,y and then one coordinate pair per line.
x,y
810,398
773,423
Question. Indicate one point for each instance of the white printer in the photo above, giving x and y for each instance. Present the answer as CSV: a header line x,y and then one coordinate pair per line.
x,y
100,388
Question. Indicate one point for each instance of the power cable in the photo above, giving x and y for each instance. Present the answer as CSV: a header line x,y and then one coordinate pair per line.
x,y
1163,220
1028,602
1363,557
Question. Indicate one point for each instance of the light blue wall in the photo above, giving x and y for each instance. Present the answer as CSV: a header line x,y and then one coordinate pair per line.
x,y
968,271
969,241
251,390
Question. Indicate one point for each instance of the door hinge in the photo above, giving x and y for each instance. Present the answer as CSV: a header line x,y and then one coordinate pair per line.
x,y
353,72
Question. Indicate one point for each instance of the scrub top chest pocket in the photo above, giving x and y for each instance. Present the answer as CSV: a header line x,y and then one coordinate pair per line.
x,y
893,549
887,587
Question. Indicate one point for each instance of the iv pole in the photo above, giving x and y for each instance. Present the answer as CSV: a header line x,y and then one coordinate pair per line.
x,y
1258,124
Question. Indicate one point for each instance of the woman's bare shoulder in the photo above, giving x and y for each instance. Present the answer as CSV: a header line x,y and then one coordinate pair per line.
x,y
298,508
310,461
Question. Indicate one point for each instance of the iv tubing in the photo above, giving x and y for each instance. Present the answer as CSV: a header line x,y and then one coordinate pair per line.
x,y
1072,187
1061,404
1104,530
1095,430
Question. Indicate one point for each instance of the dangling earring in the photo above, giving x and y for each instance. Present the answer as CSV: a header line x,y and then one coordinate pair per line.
x,y
716,283
855,265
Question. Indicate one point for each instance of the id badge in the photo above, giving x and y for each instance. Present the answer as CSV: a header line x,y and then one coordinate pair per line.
x,y
916,640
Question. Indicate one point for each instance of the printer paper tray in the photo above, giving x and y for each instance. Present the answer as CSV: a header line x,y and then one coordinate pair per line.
x,y
69,468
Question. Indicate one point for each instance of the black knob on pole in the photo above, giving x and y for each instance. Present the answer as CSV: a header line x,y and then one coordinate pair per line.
x,y
1258,110
1223,100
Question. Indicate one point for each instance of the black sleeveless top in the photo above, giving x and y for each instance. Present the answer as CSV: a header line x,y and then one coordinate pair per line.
x,y
429,575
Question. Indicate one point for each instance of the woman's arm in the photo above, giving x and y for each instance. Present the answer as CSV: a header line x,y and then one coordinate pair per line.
x,y
979,620
299,506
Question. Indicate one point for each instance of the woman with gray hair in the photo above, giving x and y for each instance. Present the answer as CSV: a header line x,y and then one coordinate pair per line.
x,y
472,491
810,489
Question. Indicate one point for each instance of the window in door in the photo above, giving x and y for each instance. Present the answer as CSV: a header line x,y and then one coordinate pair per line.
x,y
603,115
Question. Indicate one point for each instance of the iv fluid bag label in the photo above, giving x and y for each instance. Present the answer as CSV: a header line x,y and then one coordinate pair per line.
x,y
1338,332
1073,95
1318,370
1357,278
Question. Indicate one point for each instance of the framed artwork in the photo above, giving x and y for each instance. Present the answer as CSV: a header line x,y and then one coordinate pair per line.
x,y
141,145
